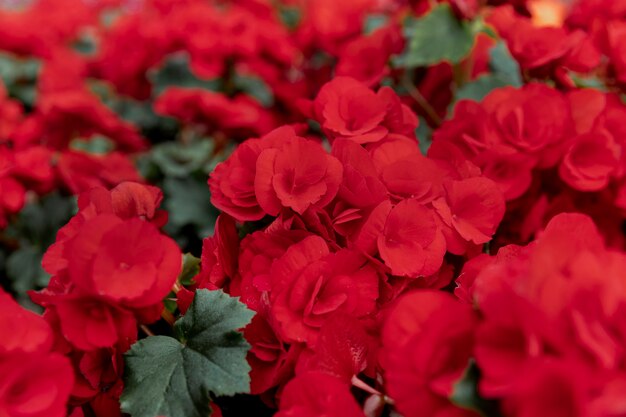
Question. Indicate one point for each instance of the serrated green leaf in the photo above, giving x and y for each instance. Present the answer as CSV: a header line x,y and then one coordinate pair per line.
x,y
164,377
436,37
191,268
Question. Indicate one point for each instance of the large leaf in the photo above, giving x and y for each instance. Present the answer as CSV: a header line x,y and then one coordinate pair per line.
x,y
436,37
172,378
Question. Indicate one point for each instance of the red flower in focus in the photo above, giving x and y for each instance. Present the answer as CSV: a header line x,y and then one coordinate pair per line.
x,y
315,394
297,174
309,285
126,261
471,212
346,108
411,244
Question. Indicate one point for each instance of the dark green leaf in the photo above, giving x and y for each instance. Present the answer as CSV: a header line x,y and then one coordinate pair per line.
x,y
465,393
255,87
191,268
189,203
176,72
178,160
436,37
25,271
20,77
504,66
374,22
165,377
479,88
504,71
425,135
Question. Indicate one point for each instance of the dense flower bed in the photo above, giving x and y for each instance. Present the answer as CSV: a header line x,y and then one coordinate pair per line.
x,y
356,208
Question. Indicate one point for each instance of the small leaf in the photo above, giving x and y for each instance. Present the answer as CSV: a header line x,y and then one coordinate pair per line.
x,y
176,71
436,37
479,88
504,66
254,87
504,71
24,269
189,203
176,159
164,377
191,268
465,393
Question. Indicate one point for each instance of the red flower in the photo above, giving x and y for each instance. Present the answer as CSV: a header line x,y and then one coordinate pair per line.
x,y
470,212
427,345
343,349
309,284
81,171
411,244
35,382
297,174
554,389
591,161
34,385
346,108
240,117
315,394
271,362
126,261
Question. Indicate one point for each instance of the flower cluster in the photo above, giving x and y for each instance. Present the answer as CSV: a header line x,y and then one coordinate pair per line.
x,y
111,268
349,229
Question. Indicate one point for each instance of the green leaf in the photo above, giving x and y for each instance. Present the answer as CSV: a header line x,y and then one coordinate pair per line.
x,y
20,77
465,393
25,271
479,88
191,268
374,22
171,378
178,160
189,203
504,71
436,37
424,135
504,66
176,72
254,87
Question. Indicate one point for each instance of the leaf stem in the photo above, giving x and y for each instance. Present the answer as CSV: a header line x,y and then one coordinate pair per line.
x,y
146,330
420,99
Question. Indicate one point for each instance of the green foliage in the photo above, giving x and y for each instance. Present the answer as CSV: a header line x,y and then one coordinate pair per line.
x,y
30,235
465,393
191,268
20,77
178,378
436,37
176,72
503,71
